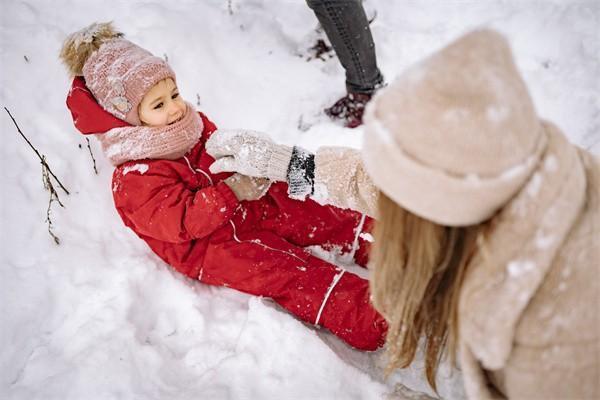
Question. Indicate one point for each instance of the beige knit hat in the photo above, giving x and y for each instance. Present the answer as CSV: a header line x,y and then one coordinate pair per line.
x,y
456,136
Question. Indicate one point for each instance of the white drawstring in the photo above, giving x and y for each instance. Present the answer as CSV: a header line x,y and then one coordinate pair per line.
x,y
194,170
189,165
335,281
206,175
359,229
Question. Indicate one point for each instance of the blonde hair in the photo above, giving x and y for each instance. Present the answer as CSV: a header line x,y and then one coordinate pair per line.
x,y
419,268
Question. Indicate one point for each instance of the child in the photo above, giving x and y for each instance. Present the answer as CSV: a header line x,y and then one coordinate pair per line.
x,y
212,227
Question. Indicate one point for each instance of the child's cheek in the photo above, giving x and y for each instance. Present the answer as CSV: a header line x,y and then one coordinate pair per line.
x,y
181,104
161,118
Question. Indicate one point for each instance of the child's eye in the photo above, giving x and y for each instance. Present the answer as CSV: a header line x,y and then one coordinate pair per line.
x,y
159,105
176,95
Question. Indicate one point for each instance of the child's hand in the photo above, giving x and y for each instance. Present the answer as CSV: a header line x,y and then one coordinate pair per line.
x,y
246,187
250,153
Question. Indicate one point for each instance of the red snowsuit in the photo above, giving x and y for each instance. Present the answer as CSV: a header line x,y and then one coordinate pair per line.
x,y
194,222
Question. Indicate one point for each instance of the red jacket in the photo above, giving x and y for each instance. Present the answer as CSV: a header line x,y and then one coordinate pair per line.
x,y
194,222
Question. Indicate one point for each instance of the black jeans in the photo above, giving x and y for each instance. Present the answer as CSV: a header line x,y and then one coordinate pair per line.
x,y
347,28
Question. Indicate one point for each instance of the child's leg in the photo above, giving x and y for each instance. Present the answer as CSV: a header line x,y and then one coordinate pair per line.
x,y
315,291
308,223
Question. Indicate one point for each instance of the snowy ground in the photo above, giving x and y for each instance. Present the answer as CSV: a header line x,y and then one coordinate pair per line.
x,y
100,317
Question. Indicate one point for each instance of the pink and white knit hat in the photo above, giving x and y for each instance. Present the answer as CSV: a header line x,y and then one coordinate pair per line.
x,y
120,73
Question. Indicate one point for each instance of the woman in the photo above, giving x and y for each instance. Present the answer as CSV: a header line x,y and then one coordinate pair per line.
x,y
486,244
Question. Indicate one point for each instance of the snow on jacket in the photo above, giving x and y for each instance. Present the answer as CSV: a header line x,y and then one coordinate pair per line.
x,y
193,221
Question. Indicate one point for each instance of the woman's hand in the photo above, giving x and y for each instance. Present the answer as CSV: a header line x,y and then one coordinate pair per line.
x,y
249,153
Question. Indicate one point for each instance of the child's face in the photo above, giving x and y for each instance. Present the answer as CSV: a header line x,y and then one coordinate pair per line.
x,y
162,105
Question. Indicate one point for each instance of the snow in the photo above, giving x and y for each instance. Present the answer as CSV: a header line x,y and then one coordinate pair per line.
x,y
543,241
141,168
551,164
367,237
497,114
534,185
321,193
517,170
456,114
520,267
85,35
101,317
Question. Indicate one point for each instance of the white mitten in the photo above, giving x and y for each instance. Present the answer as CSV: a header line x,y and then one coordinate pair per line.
x,y
249,153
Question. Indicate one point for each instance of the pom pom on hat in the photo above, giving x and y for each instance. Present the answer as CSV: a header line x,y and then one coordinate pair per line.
x,y
80,45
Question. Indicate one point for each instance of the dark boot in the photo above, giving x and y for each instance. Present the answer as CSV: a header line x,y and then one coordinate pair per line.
x,y
349,108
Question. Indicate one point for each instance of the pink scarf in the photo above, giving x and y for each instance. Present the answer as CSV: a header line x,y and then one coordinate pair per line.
x,y
139,142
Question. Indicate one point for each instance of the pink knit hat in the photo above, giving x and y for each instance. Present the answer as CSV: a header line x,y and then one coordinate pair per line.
x,y
120,73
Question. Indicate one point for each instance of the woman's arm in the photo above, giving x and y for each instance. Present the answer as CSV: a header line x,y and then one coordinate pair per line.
x,y
341,180
334,175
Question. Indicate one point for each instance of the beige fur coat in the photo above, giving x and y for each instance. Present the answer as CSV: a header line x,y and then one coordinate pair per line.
x,y
530,304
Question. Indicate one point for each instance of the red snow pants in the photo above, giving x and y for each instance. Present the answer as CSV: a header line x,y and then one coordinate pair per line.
x,y
261,253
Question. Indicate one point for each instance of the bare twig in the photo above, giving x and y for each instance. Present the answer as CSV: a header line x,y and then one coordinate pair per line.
x,y
197,100
53,197
42,159
47,176
92,155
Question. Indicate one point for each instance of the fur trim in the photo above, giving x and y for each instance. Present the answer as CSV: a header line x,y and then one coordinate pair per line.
x,y
78,46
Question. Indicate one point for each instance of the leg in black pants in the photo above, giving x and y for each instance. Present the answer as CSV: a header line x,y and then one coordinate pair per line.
x,y
347,28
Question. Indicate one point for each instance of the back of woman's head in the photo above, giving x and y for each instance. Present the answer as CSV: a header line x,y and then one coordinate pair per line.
x,y
453,138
